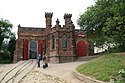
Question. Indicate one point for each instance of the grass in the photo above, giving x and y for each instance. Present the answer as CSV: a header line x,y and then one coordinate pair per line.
x,y
103,68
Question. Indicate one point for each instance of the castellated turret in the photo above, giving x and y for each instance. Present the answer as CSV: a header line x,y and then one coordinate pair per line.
x,y
66,15
48,17
67,18
47,14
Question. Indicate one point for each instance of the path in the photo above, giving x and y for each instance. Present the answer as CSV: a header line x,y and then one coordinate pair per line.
x,y
55,73
28,72
17,72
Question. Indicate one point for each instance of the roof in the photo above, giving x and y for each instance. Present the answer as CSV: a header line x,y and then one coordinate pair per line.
x,y
23,29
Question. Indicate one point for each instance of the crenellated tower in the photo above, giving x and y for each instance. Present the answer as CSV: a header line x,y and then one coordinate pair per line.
x,y
67,18
48,17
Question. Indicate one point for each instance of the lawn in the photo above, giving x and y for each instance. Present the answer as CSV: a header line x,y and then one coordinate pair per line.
x,y
105,67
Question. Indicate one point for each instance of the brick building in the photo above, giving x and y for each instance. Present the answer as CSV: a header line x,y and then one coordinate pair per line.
x,y
62,44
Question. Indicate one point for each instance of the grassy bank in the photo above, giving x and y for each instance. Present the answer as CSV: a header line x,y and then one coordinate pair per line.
x,y
104,67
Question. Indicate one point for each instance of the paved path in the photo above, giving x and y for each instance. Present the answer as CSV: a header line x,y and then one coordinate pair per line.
x,y
17,71
55,73
28,72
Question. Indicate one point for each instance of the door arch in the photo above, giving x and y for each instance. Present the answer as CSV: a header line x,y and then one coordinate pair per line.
x,y
81,48
33,50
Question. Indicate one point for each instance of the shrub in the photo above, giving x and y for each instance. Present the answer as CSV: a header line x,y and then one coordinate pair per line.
x,y
121,76
5,57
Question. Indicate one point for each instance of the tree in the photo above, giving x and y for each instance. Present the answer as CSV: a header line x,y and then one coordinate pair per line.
x,y
12,44
5,30
4,54
104,23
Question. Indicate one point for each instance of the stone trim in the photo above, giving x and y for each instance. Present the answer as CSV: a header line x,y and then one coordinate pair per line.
x,y
84,78
61,59
60,56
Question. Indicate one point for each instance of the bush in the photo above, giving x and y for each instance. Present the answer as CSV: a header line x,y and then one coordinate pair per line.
x,y
121,76
5,57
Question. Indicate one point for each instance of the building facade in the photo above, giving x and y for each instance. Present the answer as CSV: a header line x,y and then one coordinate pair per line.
x,y
61,44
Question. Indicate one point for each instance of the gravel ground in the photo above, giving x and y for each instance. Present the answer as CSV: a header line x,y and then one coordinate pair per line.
x,y
39,77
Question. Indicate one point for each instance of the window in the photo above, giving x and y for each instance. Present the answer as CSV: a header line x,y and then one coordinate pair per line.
x,y
53,42
64,41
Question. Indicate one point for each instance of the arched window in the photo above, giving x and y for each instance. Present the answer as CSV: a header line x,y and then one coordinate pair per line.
x,y
53,42
64,41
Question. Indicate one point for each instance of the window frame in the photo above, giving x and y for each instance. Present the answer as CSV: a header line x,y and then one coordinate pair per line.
x,y
53,42
64,40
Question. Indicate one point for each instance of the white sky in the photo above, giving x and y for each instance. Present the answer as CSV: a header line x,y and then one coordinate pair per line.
x,y
31,13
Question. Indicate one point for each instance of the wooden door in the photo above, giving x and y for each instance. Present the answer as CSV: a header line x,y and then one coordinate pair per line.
x,y
39,46
81,48
26,45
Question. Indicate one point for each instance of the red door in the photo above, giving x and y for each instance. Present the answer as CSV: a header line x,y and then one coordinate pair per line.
x,y
81,48
25,49
39,46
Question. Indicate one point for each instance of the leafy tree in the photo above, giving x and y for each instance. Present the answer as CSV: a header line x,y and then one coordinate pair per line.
x,y
12,44
4,53
5,30
104,23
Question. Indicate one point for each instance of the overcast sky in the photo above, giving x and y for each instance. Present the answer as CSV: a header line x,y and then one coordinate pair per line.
x,y
31,13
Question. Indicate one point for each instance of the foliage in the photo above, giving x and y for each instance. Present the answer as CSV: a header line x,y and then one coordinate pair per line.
x,y
122,73
104,23
5,30
11,45
105,67
6,49
121,76
5,54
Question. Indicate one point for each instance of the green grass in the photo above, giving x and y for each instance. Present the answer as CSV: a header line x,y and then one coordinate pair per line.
x,y
104,67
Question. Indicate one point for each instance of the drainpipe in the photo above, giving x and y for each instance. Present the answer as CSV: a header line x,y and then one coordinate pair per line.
x,y
58,47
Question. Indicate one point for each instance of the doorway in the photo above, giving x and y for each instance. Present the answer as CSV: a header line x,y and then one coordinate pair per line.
x,y
33,50
81,48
